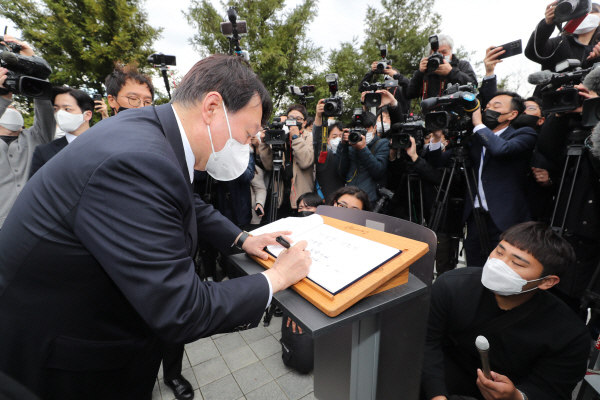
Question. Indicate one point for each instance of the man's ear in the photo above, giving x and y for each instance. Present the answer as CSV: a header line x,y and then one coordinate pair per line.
x,y
112,101
549,281
87,116
541,121
211,103
514,114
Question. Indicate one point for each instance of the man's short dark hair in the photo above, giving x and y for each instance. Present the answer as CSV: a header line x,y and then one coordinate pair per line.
x,y
84,101
230,76
517,102
538,239
123,73
310,121
297,107
352,191
369,119
311,199
537,101
337,124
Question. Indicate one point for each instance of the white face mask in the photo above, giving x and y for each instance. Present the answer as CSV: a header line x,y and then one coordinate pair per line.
x,y
386,127
12,120
231,161
588,24
68,122
369,137
334,143
501,279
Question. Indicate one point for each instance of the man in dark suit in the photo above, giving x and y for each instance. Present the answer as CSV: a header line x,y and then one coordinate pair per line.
x,y
500,158
96,269
73,110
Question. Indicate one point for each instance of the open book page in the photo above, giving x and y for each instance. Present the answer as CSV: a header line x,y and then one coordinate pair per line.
x,y
339,258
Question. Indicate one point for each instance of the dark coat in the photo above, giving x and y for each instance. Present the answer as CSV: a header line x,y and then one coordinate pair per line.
x,y
234,199
96,268
505,169
462,73
44,152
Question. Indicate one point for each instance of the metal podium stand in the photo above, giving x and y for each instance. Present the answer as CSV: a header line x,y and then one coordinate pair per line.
x,y
373,350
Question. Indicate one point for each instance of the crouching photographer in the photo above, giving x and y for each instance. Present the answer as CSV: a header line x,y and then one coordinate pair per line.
x,y
26,75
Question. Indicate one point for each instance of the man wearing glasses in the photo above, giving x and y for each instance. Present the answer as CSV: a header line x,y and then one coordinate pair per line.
x,y
127,88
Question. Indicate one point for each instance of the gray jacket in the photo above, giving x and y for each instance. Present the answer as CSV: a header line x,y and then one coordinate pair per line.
x,y
15,160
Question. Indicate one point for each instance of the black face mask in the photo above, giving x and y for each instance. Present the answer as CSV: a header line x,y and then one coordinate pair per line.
x,y
115,111
490,118
526,120
9,139
305,213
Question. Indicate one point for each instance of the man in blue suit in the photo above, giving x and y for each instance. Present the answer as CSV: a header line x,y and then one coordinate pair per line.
x,y
500,158
96,268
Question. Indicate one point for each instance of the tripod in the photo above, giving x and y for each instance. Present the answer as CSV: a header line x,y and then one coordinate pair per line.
x,y
275,184
460,162
163,71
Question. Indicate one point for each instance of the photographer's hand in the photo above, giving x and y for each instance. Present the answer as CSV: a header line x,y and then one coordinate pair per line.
x,y
444,69
374,66
541,176
586,94
423,64
412,150
3,72
387,98
319,113
595,52
345,135
549,16
390,71
491,59
476,117
362,144
101,108
26,50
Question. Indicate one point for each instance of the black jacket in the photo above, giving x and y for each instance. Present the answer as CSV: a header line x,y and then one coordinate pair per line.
x,y
44,152
462,73
96,267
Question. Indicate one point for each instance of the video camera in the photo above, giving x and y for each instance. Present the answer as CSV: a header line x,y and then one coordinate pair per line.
x,y
402,132
434,60
302,93
358,130
457,103
27,75
374,99
384,62
333,105
275,135
234,30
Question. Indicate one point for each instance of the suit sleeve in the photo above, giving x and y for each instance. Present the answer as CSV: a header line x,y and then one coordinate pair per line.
x,y
524,140
130,218
37,161
488,90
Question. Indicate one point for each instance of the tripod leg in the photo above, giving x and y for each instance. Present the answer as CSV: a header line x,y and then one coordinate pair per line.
x,y
484,240
560,187
409,198
564,220
438,208
421,200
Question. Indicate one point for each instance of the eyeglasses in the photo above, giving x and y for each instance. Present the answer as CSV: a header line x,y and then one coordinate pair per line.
x,y
136,101
299,119
532,108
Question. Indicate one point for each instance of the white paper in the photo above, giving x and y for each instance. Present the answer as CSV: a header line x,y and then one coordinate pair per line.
x,y
339,258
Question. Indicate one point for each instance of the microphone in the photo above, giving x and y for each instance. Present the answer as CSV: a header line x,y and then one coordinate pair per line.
x,y
540,78
592,80
9,58
430,102
483,346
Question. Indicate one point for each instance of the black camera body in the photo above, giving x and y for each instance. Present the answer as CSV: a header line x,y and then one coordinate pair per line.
x,y
436,59
358,129
457,103
27,75
402,132
162,59
567,98
566,10
384,62
374,99
292,122
334,105
275,135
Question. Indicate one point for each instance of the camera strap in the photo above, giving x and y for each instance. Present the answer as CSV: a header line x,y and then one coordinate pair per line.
x,y
324,137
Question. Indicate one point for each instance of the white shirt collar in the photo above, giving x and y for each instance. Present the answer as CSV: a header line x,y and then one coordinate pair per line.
x,y
70,137
190,159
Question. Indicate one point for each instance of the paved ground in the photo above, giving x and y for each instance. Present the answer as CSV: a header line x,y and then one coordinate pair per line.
x,y
244,365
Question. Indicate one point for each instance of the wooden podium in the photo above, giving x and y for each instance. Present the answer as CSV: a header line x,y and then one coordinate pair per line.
x,y
373,349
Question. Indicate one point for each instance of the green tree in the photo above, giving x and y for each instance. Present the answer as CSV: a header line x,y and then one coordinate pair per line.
x,y
82,39
280,51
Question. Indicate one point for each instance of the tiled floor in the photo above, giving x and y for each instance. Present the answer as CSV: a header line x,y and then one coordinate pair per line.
x,y
245,365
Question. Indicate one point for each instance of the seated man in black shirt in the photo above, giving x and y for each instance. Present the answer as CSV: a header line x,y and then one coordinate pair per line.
x,y
538,346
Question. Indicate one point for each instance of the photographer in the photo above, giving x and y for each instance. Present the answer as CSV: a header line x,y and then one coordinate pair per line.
x,y
299,160
500,157
364,164
451,71
582,45
126,88
398,92
19,144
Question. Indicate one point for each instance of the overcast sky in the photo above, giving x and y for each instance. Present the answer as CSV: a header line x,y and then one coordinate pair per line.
x,y
475,24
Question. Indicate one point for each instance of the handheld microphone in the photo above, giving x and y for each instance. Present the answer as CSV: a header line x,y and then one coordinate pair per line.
x,y
540,78
483,346
592,80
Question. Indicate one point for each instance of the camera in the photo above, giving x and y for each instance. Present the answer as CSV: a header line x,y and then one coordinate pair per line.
x,y
402,132
374,99
384,62
358,130
292,122
566,10
457,103
302,93
333,105
161,59
569,74
275,135
27,75
434,60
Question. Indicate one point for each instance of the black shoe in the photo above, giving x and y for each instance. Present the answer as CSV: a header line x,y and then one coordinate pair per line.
x,y
278,312
181,388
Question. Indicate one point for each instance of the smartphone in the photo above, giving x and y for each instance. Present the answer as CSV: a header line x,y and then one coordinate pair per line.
x,y
227,28
511,49
97,97
259,212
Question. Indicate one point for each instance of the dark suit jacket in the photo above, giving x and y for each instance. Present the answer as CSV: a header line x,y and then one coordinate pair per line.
x,y
504,173
96,269
44,152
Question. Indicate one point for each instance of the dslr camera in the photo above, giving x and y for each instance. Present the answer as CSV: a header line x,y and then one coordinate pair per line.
x,y
402,132
569,74
275,135
384,62
434,60
27,75
302,93
333,105
567,10
457,103
358,130
374,99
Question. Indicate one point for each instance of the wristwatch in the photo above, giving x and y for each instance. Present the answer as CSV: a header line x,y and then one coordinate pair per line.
x,y
240,242
295,137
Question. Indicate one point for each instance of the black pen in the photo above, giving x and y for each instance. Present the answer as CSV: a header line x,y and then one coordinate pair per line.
x,y
281,240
